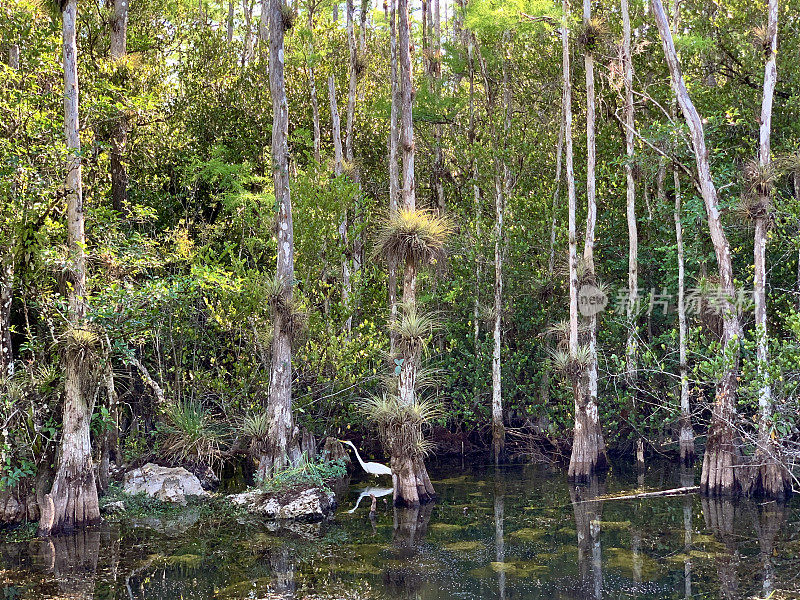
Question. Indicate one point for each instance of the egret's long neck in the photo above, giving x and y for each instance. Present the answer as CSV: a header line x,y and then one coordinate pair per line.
x,y
358,456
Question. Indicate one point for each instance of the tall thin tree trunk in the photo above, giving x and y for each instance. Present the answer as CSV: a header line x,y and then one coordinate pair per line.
x,y
72,501
498,428
394,174
264,33
7,275
502,185
349,157
351,92
338,169
247,50
686,439
686,432
230,21
411,482
633,234
591,208
588,448
476,192
772,480
362,30
119,173
280,440
720,476
312,88
577,387
436,72
633,238
6,295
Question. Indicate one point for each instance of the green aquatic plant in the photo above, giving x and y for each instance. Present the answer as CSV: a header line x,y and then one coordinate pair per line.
x,y
309,472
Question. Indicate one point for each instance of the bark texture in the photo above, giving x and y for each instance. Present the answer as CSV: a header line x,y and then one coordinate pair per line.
x,y
280,442
770,478
412,486
720,476
394,173
588,448
72,501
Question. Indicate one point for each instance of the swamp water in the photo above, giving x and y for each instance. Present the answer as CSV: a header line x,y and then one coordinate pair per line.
x,y
514,532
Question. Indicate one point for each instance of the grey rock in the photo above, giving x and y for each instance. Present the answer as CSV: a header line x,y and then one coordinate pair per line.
x,y
113,508
168,484
310,504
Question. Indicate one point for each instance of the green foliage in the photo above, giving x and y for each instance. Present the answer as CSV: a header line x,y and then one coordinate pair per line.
x,y
191,433
309,472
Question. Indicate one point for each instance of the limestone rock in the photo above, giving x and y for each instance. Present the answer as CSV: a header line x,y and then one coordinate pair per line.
x,y
310,504
168,484
113,508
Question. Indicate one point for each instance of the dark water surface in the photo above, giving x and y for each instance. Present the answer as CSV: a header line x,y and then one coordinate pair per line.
x,y
515,532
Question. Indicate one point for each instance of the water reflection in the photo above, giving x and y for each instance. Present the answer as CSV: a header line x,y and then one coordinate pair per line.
x,y
720,516
72,561
769,519
515,533
588,511
499,540
405,577
687,480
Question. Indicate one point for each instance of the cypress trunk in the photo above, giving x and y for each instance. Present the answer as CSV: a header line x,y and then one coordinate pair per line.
x,y
720,476
280,443
72,501
771,478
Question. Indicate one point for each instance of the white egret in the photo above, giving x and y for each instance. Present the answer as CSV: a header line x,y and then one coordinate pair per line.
x,y
373,468
376,492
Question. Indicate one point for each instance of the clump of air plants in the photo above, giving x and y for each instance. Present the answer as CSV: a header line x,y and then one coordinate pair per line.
x,y
362,63
290,307
790,164
254,428
559,331
415,235
592,33
413,329
81,339
81,346
762,39
288,16
758,180
545,290
571,367
401,424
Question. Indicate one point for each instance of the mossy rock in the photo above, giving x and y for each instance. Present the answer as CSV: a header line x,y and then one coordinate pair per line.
x,y
462,546
519,568
446,527
451,480
192,561
613,525
527,534
625,560
678,558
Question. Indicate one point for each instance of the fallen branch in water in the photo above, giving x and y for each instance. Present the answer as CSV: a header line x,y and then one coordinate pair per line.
x,y
673,492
